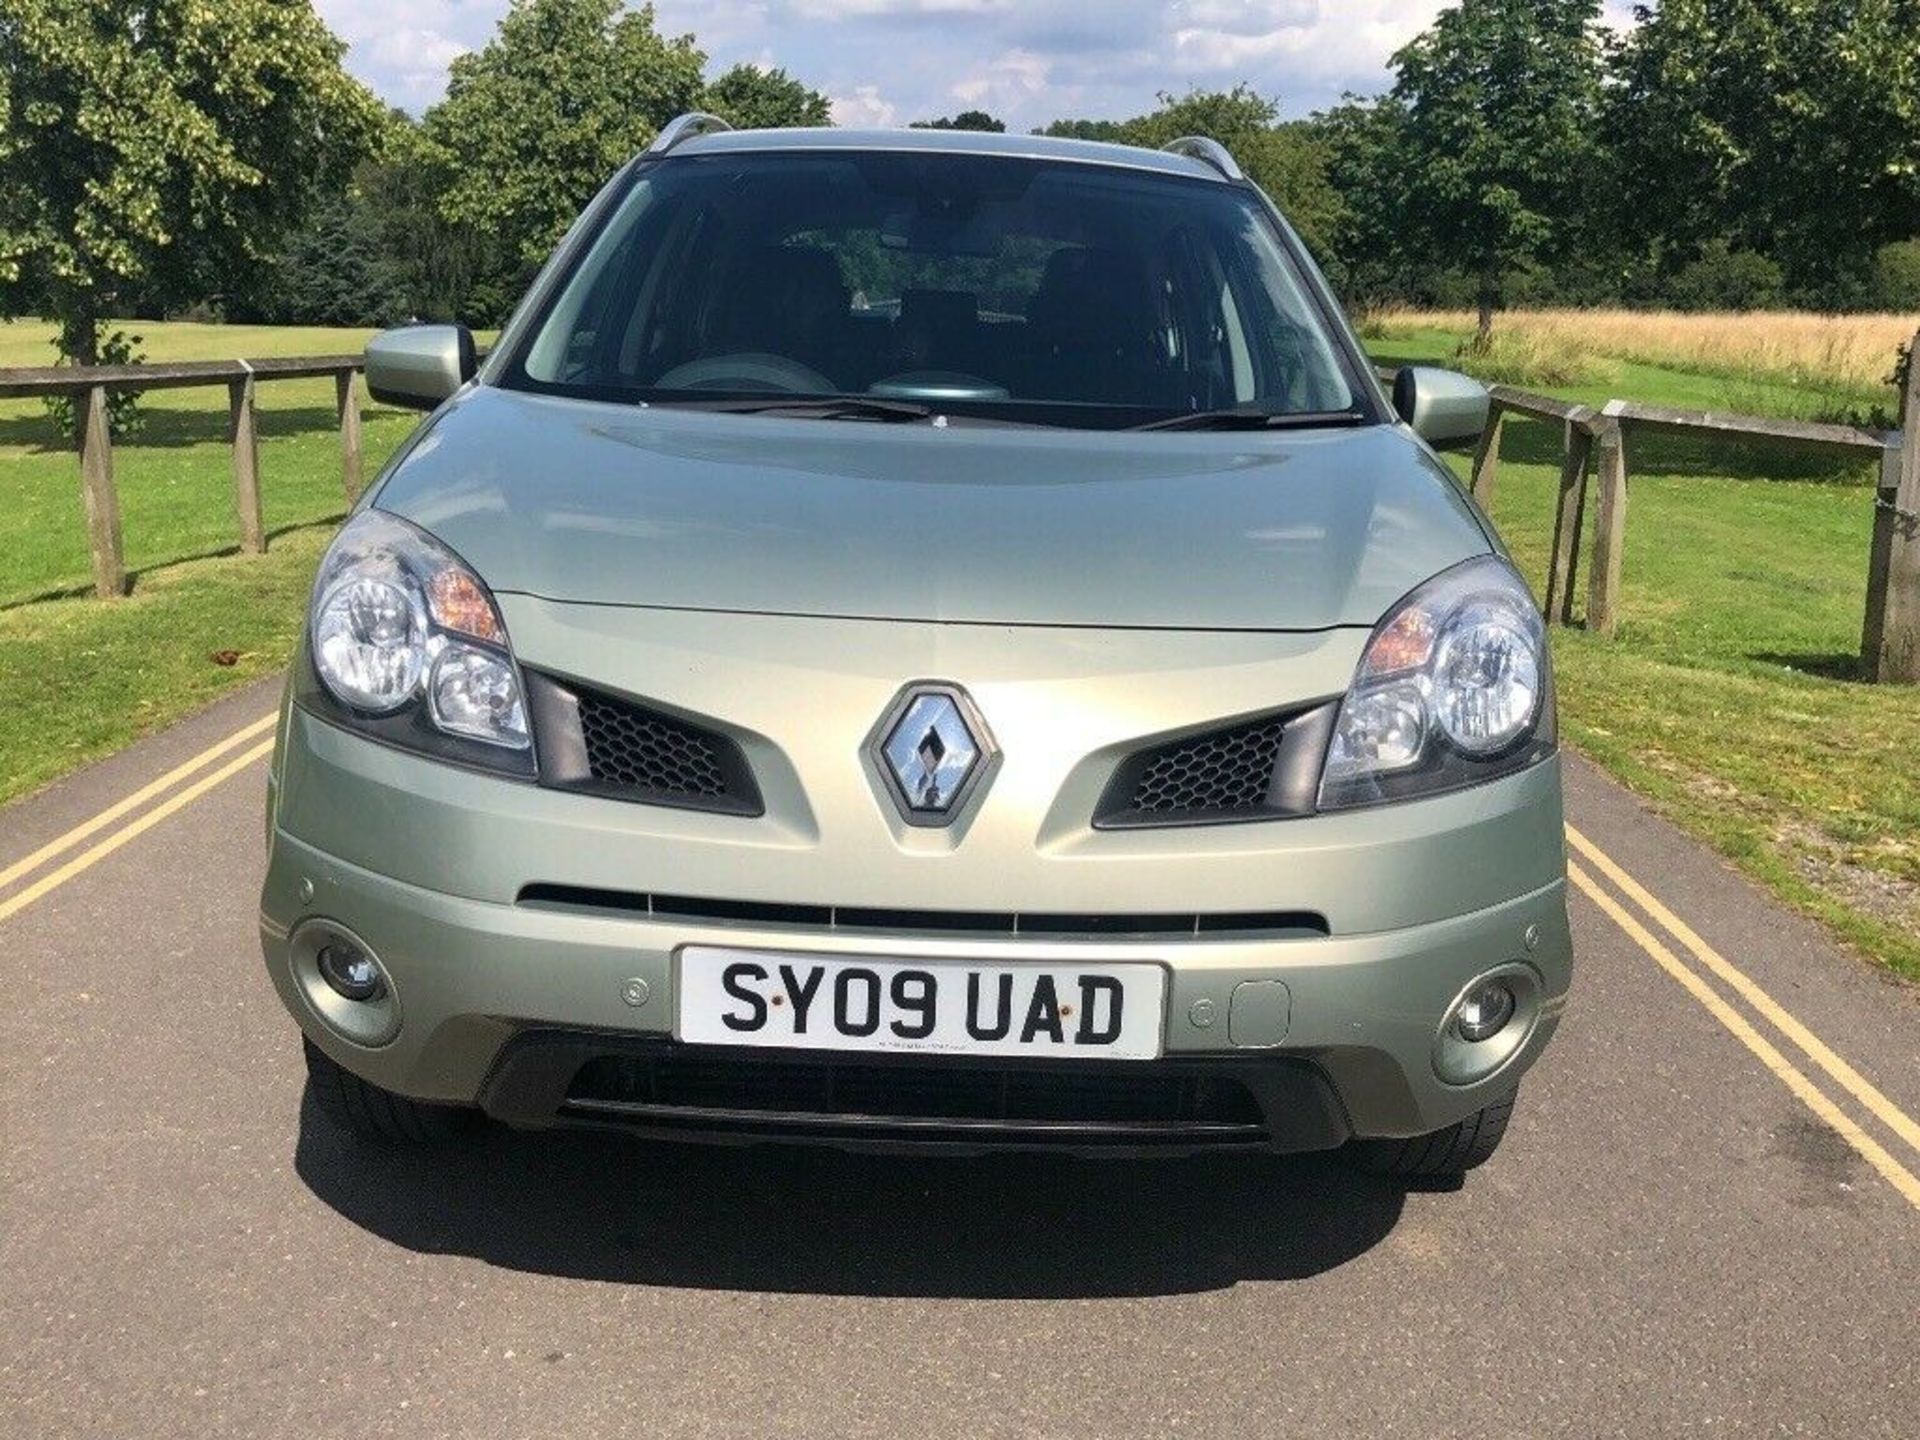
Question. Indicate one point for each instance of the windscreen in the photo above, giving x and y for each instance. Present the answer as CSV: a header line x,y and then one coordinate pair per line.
x,y
1049,292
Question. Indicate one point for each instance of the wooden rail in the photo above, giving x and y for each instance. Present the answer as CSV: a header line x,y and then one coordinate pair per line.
x,y
1596,441
90,385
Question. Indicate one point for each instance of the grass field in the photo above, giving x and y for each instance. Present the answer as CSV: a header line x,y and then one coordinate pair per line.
x,y
1730,698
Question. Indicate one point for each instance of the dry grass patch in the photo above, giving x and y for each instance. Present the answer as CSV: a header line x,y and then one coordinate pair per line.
x,y
1853,351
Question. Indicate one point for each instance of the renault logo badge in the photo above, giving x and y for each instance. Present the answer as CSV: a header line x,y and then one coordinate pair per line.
x,y
933,750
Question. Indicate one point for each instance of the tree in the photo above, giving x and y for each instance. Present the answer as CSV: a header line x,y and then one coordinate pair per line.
x,y
563,95
442,266
1777,126
161,147
757,99
978,120
1368,253
1500,101
1285,160
335,270
1896,276
1722,278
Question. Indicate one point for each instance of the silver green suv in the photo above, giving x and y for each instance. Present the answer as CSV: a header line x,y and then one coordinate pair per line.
x,y
923,639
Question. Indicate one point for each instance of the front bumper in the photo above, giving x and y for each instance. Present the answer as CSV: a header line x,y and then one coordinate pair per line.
x,y
463,883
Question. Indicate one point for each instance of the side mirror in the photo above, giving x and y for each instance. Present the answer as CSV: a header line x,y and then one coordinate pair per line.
x,y
1446,409
418,366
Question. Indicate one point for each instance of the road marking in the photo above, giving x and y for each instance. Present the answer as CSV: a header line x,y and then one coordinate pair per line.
x,y
1857,1085
138,798
1815,1100
88,858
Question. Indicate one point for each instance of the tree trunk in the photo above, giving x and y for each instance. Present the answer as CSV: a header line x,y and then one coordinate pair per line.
x,y
1489,297
78,343
79,340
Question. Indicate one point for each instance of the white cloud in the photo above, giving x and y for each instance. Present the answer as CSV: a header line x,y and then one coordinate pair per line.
x,y
863,109
1010,81
1330,41
417,60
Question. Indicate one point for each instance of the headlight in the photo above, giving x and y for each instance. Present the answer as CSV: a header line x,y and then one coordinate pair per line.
x,y
407,645
1454,688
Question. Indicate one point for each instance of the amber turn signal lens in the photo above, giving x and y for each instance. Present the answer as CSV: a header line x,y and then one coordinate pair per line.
x,y
459,604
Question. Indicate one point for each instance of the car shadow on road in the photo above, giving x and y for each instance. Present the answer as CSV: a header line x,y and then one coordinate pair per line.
x,y
788,1220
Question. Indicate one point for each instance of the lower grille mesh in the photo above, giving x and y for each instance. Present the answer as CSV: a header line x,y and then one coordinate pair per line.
x,y
1225,771
645,751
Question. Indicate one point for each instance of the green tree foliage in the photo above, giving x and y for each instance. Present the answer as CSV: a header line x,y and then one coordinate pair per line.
x,y
978,120
756,99
1369,258
161,147
536,122
1722,278
442,265
1500,100
1790,128
1288,161
337,270
1896,276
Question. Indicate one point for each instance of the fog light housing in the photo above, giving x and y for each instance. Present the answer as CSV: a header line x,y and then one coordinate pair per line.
x,y
349,971
1485,1011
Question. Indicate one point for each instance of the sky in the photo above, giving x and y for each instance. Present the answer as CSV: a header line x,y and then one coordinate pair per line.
x,y
886,62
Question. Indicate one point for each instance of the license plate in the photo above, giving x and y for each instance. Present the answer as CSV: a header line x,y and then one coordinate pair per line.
x,y
860,1002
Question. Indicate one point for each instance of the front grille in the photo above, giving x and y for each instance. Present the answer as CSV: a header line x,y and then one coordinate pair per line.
x,y
1227,770
1260,769
1072,1094
642,750
1215,924
609,745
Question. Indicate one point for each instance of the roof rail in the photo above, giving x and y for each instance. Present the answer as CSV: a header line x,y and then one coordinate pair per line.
x,y
1210,152
686,127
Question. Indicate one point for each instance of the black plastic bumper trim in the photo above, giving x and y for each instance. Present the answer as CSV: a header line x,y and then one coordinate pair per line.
x,y
530,1082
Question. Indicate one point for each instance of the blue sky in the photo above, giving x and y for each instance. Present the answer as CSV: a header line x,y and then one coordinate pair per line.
x,y
885,62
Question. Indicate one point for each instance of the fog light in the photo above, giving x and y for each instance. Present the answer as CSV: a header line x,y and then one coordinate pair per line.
x,y
1485,1011
349,970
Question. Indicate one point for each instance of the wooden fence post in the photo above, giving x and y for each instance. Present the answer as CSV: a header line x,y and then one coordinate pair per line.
x,y
1890,639
246,466
102,500
1609,531
1568,521
1486,459
346,393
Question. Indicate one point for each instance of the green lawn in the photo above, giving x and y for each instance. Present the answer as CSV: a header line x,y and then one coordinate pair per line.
x,y
1730,697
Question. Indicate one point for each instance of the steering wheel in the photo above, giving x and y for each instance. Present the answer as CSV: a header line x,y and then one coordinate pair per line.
x,y
747,371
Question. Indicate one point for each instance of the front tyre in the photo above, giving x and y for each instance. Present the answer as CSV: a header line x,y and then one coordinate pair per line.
x,y
377,1114
1443,1154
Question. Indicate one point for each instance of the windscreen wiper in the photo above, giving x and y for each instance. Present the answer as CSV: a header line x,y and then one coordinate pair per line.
x,y
1241,417
825,407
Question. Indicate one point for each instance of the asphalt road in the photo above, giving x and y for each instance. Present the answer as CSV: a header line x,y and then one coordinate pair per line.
x,y
1698,1226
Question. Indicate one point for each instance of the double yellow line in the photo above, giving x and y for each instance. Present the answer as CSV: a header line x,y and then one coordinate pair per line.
x,y
139,825
1770,1011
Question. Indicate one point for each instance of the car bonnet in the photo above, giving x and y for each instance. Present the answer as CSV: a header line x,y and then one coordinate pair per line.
x,y
609,504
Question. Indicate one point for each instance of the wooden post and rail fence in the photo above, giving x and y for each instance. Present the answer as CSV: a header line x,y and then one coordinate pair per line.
x,y
1594,443
89,387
